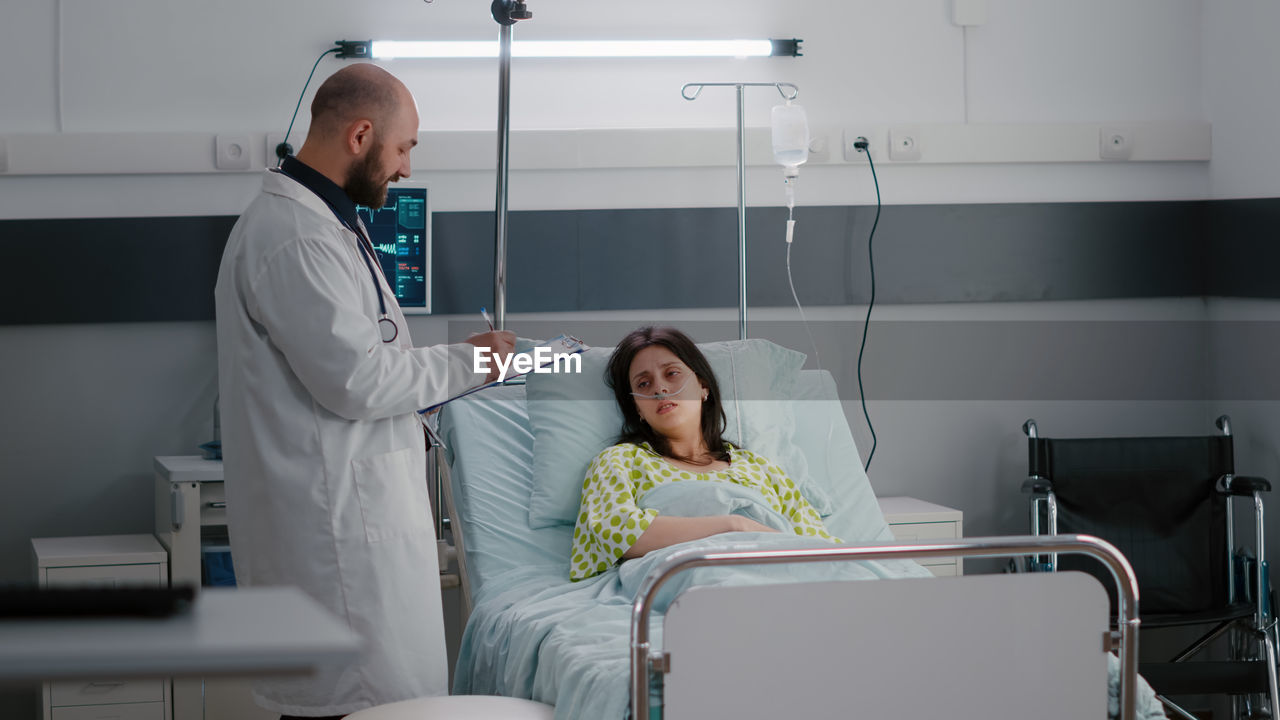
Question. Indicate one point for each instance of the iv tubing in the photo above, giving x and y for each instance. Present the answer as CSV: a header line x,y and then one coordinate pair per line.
x,y
791,225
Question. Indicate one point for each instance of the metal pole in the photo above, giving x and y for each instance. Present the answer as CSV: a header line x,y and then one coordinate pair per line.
x,y
1262,560
1273,683
742,178
742,216
1106,553
500,222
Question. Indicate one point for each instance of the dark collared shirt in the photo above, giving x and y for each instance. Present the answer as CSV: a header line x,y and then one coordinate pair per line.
x,y
333,196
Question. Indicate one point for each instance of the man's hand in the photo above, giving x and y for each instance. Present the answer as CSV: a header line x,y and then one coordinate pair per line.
x,y
496,346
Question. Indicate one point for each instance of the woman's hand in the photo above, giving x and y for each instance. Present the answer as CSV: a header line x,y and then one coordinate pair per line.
x,y
746,524
667,530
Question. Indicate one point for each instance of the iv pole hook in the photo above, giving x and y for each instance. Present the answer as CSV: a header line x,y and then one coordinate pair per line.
x,y
697,88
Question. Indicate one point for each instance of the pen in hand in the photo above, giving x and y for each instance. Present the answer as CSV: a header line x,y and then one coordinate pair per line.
x,y
487,319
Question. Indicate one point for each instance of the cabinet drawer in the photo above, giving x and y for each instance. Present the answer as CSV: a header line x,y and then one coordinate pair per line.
x,y
106,691
128,711
924,531
110,575
946,569
940,566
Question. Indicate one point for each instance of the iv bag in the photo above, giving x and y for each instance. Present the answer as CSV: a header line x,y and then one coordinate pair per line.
x,y
790,135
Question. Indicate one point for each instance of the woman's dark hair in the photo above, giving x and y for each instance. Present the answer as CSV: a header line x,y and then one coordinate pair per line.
x,y
617,375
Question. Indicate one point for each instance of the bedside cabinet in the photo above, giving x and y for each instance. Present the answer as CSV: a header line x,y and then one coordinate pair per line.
x,y
191,517
103,560
912,519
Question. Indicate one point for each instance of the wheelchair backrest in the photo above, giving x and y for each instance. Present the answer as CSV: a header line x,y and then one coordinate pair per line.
x,y
1155,499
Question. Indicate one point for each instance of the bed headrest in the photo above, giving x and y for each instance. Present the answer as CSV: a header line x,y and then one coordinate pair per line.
x,y
824,437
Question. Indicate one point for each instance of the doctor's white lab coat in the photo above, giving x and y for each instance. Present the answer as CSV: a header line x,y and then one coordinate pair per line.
x,y
324,456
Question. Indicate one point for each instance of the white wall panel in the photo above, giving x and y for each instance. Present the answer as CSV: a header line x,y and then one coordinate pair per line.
x,y
151,66
1241,62
27,96
30,197
1086,60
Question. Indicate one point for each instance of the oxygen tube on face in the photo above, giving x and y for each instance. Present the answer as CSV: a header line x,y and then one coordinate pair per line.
x,y
663,395
791,150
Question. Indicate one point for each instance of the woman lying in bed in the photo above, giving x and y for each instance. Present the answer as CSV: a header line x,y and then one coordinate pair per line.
x,y
671,431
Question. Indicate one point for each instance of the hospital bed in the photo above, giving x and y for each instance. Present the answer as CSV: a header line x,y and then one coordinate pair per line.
x,y
721,628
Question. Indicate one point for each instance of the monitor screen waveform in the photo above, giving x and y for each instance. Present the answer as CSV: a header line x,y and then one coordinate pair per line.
x,y
400,231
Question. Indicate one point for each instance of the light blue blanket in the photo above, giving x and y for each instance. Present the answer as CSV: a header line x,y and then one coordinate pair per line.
x,y
539,636
567,643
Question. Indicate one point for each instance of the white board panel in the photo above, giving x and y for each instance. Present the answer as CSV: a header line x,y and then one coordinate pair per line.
x,y
979,646
132,153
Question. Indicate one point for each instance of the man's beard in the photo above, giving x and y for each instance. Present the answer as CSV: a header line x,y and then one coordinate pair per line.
x,y
363,185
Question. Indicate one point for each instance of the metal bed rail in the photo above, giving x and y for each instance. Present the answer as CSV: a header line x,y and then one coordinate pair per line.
x,y
643,658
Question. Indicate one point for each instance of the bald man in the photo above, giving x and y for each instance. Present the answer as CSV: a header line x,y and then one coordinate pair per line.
x,y
323,449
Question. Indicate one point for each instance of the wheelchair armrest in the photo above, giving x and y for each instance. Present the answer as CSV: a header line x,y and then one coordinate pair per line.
x,y
1037,485
1243,485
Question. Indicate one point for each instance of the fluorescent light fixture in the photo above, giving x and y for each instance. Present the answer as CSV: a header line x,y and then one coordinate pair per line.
x,y
389,49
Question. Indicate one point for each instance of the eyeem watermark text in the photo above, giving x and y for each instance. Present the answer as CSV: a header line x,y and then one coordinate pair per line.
x,y
540,360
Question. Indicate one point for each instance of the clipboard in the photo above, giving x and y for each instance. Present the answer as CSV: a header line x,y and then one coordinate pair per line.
x,y
540,356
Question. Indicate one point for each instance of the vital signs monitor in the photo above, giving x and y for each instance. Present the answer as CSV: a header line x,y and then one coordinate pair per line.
x,y
401,233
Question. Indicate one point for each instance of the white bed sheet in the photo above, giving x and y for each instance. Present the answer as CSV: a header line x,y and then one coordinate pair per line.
x,y
490,455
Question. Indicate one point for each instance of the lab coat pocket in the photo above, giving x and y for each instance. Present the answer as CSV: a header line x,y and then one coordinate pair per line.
x,y
392,490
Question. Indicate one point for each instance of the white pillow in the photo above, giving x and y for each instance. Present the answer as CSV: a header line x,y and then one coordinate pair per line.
x,y
574,416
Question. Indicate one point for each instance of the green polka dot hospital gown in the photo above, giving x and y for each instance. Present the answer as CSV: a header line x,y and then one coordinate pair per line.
x,y
611,518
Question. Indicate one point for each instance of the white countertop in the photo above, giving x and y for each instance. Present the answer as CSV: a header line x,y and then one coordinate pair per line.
x,y
98,550
241,631
188,468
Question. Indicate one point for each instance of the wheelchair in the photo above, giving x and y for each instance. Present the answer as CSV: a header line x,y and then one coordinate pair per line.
x,y
1167,504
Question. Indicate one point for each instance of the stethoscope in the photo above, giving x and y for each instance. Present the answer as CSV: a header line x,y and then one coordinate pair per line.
x,y
386,326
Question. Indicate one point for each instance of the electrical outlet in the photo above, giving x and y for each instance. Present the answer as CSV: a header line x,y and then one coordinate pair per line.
x,y
231,152
818,148
904,143
1115,143
849,137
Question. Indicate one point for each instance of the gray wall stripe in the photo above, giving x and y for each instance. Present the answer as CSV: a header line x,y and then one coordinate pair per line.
x,y
163,268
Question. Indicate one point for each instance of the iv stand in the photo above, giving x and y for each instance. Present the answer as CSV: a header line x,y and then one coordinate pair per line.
x,y
506,13
742,180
